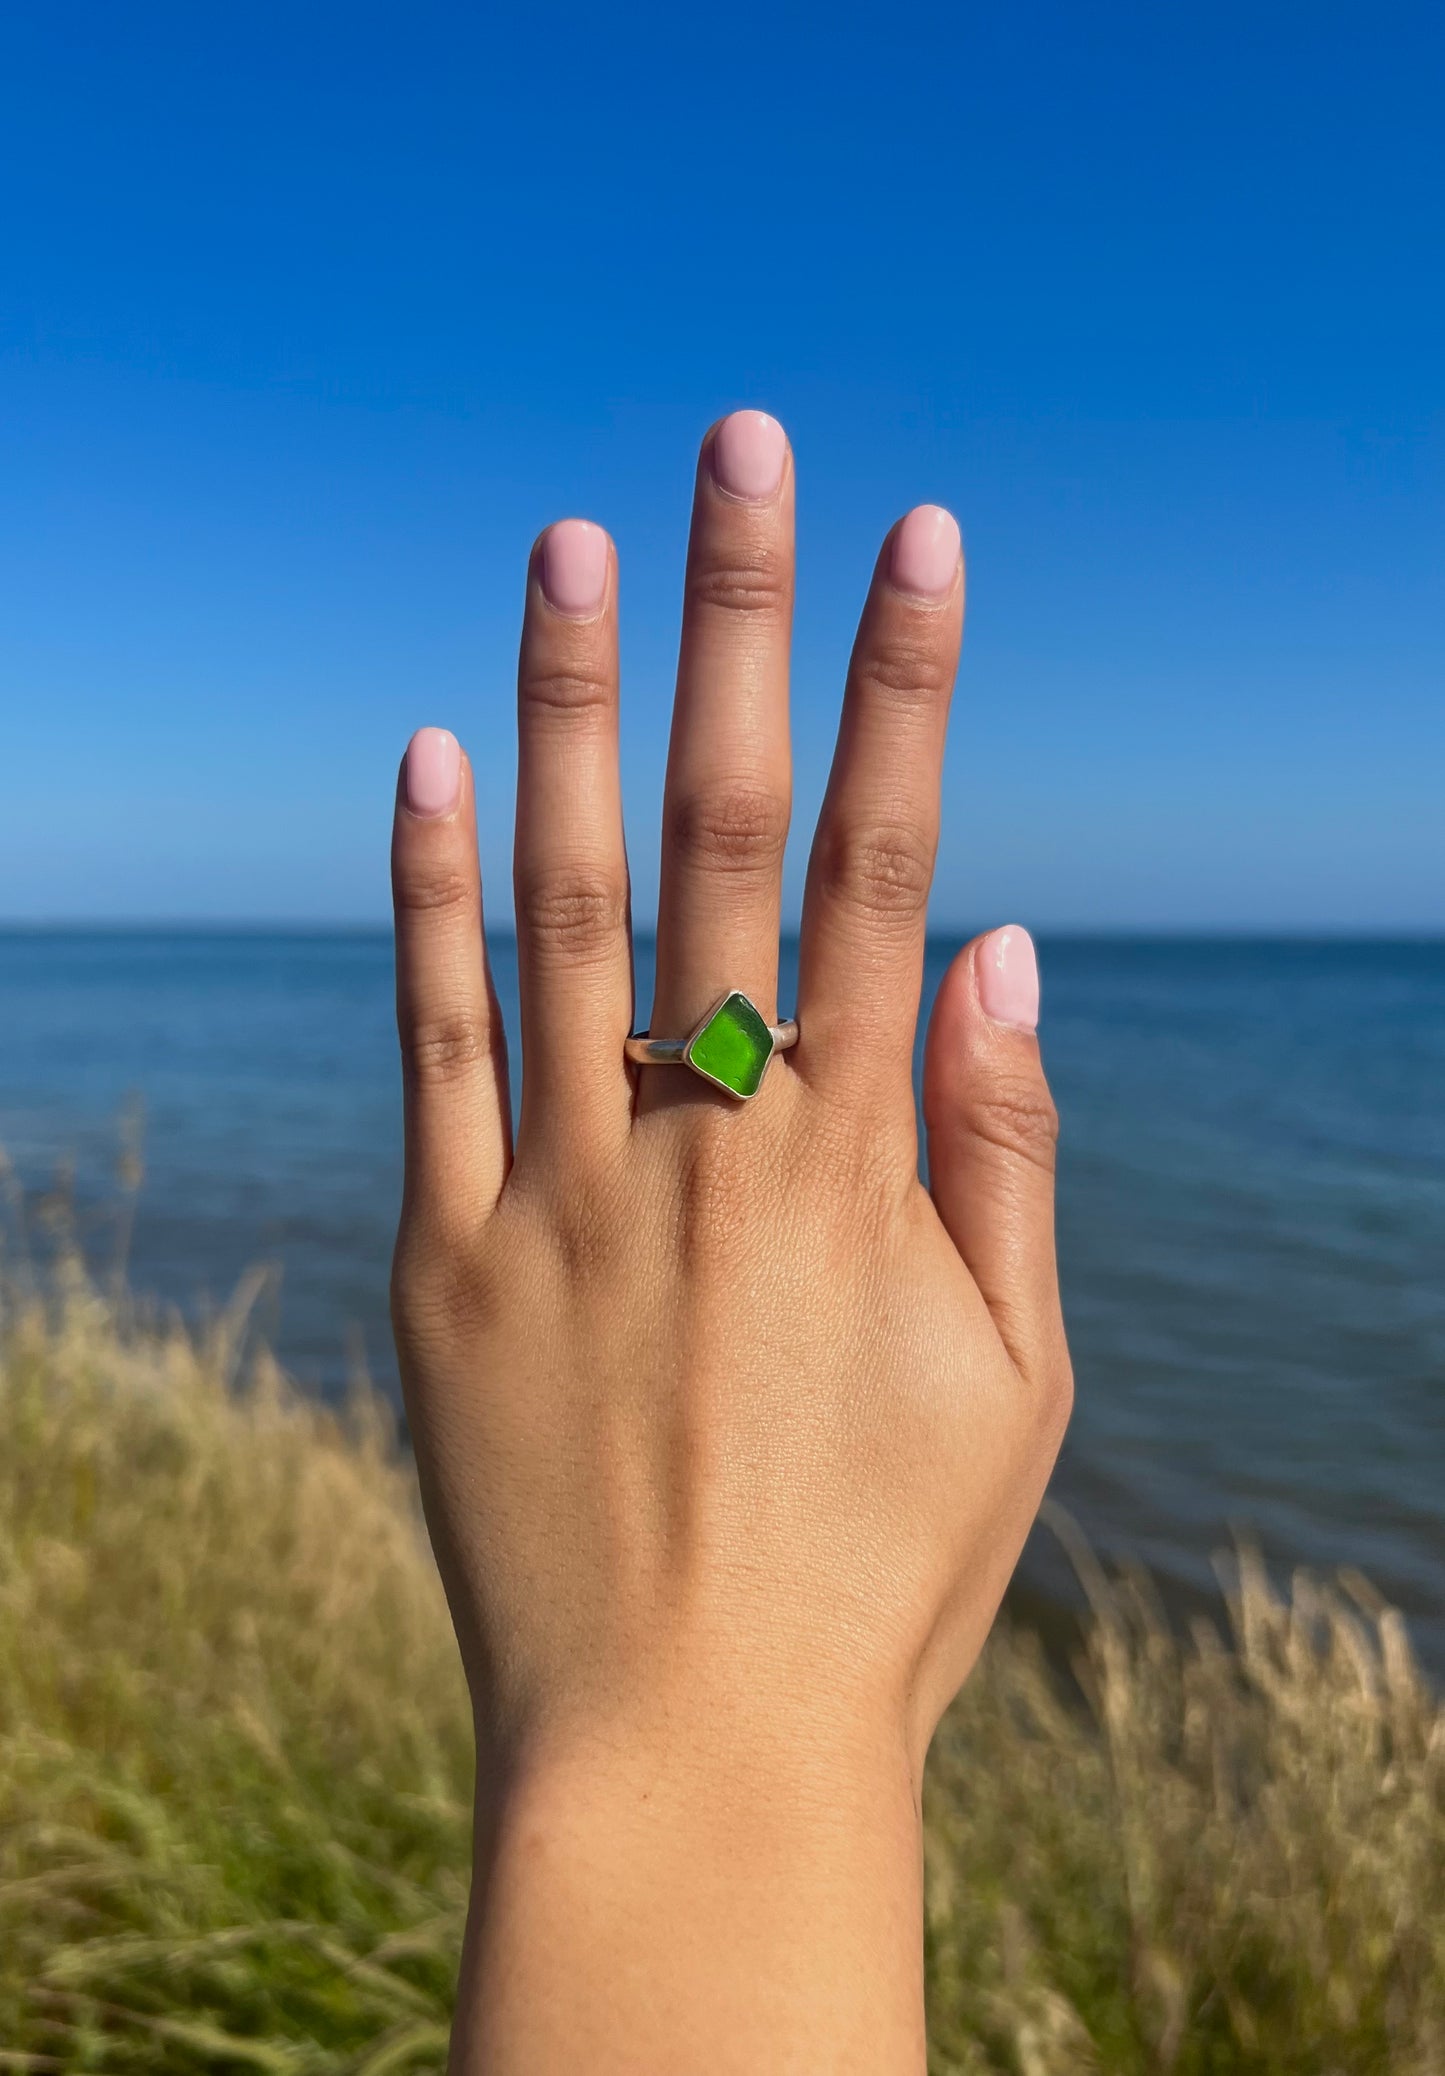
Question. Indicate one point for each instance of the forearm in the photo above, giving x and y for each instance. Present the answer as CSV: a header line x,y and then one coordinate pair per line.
x,y
650,1912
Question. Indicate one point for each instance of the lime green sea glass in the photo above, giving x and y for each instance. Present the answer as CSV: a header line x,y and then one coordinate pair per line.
x,y
733,1047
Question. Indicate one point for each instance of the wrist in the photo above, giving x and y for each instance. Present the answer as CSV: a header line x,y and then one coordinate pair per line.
x,y
677,1892
723,1721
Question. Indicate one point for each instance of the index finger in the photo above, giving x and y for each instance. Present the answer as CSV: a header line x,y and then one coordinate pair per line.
x,y
871,870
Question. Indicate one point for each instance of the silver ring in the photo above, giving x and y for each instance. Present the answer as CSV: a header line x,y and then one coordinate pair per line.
x,y
731,1047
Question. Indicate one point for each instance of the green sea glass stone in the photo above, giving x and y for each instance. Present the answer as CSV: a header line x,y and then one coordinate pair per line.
x,y
733,1047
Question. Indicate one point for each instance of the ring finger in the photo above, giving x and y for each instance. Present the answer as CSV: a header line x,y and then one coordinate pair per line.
x,y
729,781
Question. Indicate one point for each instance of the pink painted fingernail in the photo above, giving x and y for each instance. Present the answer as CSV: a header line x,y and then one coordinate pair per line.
x,y
574,567
1008,977
748,452
433,772
925,552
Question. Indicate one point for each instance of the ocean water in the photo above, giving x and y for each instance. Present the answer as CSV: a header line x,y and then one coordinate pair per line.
x,y
1252,1205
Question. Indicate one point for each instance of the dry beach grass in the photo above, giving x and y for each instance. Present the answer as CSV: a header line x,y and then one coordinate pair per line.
x,y
235,1768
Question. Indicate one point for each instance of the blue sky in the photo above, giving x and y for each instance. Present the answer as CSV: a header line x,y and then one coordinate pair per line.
x,y
311,316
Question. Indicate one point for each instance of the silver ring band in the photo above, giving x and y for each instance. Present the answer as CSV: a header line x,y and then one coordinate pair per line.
x,y
646,1051
731,1047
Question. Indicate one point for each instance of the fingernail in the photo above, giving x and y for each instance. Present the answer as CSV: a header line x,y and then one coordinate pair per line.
x,y
925,552
1008,977
433,772
748,452
574,567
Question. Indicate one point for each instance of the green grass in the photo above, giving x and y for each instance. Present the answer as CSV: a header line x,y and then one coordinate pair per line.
x,y
235,1762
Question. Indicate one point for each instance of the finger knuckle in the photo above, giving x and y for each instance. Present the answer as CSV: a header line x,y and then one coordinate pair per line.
x,y
715,1180
439,1050
733,828
587,1225
569,691
908,673
879,869
742,579
440,1282
437,889
858,1163
571,913
1016,1114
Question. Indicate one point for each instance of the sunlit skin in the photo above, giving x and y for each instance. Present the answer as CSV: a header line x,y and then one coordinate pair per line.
x,y
730,1432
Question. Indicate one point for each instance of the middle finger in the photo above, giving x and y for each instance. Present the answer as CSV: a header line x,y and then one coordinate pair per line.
x,y
729,777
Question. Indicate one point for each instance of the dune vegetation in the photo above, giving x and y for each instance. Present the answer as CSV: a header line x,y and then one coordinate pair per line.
x,y
235,1767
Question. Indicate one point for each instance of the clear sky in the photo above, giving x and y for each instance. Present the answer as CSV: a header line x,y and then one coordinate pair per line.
x,y
312,315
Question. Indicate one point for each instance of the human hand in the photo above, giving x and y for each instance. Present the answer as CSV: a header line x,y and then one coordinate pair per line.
x,y
729,1431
